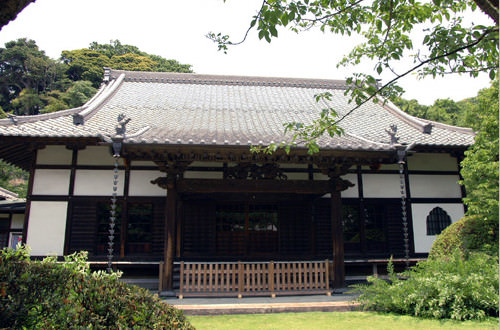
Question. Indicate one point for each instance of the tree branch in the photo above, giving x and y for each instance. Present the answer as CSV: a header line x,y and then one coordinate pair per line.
x,y
264,2
332,14
371,96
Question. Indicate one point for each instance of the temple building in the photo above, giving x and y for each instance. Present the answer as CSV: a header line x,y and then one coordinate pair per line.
x,y
215,217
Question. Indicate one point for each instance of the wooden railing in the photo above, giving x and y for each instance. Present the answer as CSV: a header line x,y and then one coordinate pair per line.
x,y
253,278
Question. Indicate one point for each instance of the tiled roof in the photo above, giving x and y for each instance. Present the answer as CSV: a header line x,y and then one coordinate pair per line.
x,y
192,109
7,195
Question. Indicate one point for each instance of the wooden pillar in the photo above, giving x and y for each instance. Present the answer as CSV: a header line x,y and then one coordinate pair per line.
x,y
174,170
169,233
338,240
337,185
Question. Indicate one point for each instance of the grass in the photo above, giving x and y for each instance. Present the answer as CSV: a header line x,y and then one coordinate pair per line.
x,y
339,320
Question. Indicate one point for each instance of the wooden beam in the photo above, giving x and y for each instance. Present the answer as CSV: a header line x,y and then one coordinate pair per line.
x,y
252,186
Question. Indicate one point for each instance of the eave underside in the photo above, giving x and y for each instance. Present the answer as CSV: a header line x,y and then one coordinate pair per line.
x,y
243,154
19,151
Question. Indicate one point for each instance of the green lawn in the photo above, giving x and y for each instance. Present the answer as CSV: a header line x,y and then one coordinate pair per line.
x,y
321,320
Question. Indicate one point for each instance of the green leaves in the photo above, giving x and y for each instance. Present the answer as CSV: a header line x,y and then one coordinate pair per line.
x,y
480,167
32,83
452,288
47,295
492,74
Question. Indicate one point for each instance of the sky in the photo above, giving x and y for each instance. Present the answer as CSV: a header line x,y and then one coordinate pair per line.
x,y
176,30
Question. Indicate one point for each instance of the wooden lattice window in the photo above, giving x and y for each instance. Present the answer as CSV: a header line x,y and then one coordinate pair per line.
x,y
139,228
437,221
246,229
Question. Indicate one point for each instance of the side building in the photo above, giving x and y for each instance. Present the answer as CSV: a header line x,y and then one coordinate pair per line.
x,y
191,194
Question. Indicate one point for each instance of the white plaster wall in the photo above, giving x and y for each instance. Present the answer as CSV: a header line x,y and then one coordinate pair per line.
x,y
434,186
383,167
54,155
46,228
51,182
202,175
351,192
96,155
140,184
142,163
17,221
293,165
296,176
423,243
97,182
320,177
432,162
381,186
206,164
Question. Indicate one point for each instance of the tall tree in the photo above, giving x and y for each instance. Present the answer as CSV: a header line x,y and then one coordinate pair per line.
x,y
85,64
24,67
480,167
450,44
32,83
88,63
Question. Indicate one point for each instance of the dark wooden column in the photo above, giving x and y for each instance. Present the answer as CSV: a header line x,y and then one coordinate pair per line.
x,y
338,240
337,185
169,232
334,171
174,171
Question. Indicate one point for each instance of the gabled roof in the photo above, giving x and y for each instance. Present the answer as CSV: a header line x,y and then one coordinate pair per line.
x,y
193,109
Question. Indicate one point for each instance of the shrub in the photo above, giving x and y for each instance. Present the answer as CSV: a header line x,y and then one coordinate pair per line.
x,y
470,233
45,294
454,288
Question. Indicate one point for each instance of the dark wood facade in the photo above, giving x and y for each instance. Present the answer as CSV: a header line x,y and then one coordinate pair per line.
x,y
279,219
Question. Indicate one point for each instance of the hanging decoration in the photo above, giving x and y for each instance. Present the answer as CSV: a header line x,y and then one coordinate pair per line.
x,y
117,141
402,153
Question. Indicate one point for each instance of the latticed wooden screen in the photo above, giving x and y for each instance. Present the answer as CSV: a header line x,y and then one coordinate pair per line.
x,y
437,221
253,278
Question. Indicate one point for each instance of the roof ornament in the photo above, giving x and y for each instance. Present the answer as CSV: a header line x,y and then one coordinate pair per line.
x,y
393,133
121,128
427,128
13,118
107,75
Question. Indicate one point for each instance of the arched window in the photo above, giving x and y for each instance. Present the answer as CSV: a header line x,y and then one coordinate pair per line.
x,y
437,221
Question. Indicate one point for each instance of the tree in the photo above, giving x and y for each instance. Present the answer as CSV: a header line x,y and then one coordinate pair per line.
x,y
411,107
450,45
122,55
79,93
88,63
23,66
32,83
27,103
13,179
445,111
85,64
480,166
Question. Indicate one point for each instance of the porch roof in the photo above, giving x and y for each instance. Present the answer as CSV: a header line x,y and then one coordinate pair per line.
x,y
196,110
